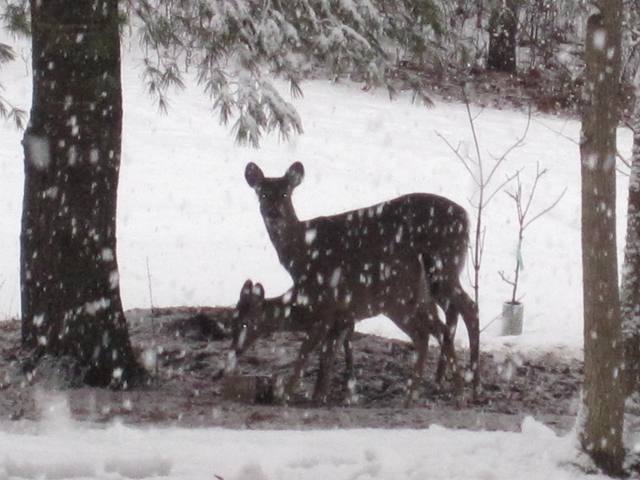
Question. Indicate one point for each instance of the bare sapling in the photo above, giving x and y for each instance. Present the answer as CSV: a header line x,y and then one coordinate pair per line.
x,y
525,218
483,177
318,251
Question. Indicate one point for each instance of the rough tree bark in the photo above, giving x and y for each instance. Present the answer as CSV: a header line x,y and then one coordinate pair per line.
x,y
630,291
69,274
603,399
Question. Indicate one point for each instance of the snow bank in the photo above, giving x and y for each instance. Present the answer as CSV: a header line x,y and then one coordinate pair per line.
x,y
120,452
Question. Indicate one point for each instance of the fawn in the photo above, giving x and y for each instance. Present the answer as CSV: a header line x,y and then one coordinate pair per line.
x,y
327,311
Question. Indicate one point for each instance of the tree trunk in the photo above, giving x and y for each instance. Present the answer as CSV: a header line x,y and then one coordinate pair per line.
x,y
69,274
603,399
630,294
503,26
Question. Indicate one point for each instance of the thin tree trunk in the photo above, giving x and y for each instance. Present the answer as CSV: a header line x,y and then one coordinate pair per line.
x,y
503,27
603,400
69,273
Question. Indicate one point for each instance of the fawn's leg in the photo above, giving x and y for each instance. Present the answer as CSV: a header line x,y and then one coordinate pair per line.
x,y
415,327
315,336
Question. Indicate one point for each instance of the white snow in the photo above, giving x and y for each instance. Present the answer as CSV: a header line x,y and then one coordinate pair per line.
x,y
59,448
184,208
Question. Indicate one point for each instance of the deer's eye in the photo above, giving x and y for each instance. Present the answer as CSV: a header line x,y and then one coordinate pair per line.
x,y
263,195
285,195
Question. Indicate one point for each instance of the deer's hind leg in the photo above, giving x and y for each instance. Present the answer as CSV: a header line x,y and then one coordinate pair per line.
x,y
447,335
348,351
469,311
455,301
447,353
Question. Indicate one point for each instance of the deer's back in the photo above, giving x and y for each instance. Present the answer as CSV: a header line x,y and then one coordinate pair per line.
x,y
422,223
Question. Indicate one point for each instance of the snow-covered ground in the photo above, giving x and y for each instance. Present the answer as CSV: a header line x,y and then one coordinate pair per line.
x,y
185,209
119,452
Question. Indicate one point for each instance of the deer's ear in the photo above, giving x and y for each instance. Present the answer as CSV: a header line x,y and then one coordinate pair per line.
x,y
258,290
295,174
253,175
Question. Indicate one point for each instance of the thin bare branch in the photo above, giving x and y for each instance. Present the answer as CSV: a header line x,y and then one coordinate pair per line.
x,y
493,320
560,134
625,162
622,172
470,278
629,125
546,210
477,115
506,279
532,193
475,136
481,248
518,143
459,157
512,195
499,188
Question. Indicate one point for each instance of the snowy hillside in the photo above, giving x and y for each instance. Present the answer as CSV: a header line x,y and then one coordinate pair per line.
x,y
184,205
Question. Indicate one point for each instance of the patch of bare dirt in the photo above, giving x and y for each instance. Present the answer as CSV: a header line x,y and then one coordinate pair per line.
x,y
185,350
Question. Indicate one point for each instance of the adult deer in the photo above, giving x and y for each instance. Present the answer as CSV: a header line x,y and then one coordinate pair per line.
x,y
327,310
416,225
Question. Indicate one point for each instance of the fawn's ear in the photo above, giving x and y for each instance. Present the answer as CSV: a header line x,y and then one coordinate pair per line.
x,y
258,290
246,290
295,174
253,175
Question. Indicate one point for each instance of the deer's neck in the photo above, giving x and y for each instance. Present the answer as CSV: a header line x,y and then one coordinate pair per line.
x,y
287,236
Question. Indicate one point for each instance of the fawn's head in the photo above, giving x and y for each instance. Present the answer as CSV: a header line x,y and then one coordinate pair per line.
x,y
274,193
247,316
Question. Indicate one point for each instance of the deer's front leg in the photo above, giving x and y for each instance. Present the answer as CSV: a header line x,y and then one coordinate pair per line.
x,y
325,372
421,344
